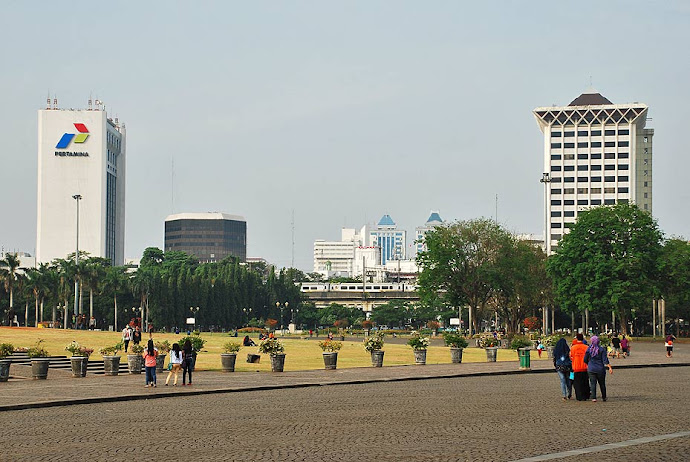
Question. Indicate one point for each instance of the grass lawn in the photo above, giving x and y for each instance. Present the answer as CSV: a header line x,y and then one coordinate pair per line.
x,y
301,354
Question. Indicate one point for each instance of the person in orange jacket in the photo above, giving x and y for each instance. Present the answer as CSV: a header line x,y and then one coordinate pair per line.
x,y
580,380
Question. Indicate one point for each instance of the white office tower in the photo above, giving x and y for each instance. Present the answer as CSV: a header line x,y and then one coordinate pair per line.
x,y
80,153
432,222
389,239
595,153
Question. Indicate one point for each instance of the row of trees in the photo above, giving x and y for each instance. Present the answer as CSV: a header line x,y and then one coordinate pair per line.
x,y
612,264
161,291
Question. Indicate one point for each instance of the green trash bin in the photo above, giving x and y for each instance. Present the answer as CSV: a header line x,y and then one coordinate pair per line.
x,y
523,354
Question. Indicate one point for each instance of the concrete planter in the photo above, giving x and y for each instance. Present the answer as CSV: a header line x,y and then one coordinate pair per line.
x,y
277,362
160,363
549,351
456,355
491,354
419,357
377,358
79,364
39,368
134,363
111,365
330,360
227,361
5,369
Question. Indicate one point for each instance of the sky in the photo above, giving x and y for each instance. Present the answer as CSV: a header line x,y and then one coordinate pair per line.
x,y
336,113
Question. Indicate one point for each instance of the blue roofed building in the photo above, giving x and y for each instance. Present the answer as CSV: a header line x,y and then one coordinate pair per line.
x,y
433,221
390,239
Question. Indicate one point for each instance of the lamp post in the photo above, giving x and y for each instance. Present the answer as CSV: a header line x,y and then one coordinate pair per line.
x,y
546,179
194,311
280,306
247,313
76,197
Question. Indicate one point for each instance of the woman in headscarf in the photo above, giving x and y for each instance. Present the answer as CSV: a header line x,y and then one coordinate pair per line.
x,y
563,365
597,361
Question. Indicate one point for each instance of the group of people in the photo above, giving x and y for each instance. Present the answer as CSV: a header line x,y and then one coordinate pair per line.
x,y
180,359
619,346
131,334
582,367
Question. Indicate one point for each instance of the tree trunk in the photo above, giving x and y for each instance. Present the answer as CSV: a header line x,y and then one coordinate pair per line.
x,y
26,314
115,319
624,322
90,304
36,320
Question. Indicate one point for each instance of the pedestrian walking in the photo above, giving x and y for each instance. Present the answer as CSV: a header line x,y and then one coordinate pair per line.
x,y
577,356
126,336
150,355
136,336
540,348
174,364
616,344
625,345
187,361
597,361
564,366
669,344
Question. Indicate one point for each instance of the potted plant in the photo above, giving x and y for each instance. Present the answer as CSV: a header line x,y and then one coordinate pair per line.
x,y
229,356
374,344
135,361
274,348
80,358
163,348
523,345
419,344
490,345
111,361
40,360
549,342
197,344
457,343
330,350
6,349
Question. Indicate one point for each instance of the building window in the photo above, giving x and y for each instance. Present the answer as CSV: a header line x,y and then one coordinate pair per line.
x,y
568,156
609,167
609,179
556,134
595,179
582,202
582,133
568,202
645,207
556,225
582,168
555,157
623,190
624,132
609,201
582,179
568,145
555,202
608,144
582,156
569,179
582,145
622,155
645,184
610,155
596,155
555,237
623,178
609,190
610,133
595,167
555,179
622,201
596,132
569,134
555,168
596,190
596,201
555,191
623,144
596,144
555,214
555,145
569,213
646,195
622,166
582,190
569,191
569,168
646,139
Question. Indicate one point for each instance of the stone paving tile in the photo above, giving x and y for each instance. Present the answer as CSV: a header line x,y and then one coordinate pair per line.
x,y
499,418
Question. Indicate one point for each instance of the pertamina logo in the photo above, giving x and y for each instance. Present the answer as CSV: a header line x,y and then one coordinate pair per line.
x,y
67,139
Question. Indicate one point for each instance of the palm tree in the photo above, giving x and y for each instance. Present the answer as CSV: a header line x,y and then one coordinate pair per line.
x,y
116,281
142,282
8,272
35,286
93,276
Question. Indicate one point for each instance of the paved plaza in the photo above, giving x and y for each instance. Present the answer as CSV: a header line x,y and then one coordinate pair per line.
x,y
486,412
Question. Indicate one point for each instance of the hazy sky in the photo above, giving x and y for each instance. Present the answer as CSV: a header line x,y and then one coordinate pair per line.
x,y
340,111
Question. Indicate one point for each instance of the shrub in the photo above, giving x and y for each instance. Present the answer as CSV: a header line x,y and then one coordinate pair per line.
x,y
38,350
488,342
231,347
330,345
196,341
604,341
520,341
163,347
252,330
6,349
454,339
271,346
532,323
111,350
78,350
418,341
137,349
374,342
341,323
367,324
271,323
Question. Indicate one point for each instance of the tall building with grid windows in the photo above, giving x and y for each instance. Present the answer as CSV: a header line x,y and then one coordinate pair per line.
x,y
81,159
209,237
391,240
595,153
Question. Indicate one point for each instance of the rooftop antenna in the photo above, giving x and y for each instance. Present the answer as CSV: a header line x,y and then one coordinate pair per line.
x,y
55,104
90,103
48,102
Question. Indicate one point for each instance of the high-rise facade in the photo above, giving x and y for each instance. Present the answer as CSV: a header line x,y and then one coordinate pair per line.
x,y
595,153
80,153
209,237
389,239
433,221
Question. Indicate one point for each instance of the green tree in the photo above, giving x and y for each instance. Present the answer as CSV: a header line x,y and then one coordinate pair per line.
x,y
459,264
8,273
116,282
396,313
608,261
674,273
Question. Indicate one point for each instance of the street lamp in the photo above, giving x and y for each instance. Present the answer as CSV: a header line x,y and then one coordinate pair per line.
x,y
76,197
194,311
546,179
247,313
280,307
